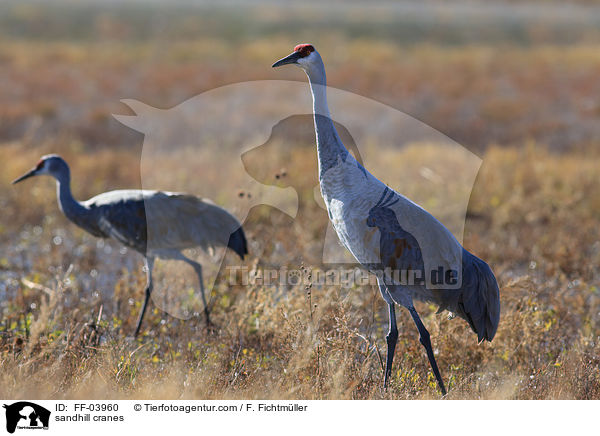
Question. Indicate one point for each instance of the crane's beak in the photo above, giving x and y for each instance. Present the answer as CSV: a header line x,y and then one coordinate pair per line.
x,y
25,176
290,59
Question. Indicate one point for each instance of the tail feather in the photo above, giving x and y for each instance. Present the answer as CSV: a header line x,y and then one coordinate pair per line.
x,y
479,303
237,242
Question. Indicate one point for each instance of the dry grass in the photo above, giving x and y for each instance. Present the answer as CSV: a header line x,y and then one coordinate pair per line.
x,y
533,215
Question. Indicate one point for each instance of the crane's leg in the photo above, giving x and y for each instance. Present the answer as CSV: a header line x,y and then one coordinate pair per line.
x,y
198,268
392,336
149,266
426,342
392,339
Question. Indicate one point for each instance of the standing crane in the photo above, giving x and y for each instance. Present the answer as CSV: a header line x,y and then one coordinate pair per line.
x,y
176,222
412,242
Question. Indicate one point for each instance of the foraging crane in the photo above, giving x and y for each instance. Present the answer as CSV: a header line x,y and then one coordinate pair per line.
x,y
434,266
177,221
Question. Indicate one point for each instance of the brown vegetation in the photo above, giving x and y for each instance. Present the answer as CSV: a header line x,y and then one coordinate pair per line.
x,y
68,305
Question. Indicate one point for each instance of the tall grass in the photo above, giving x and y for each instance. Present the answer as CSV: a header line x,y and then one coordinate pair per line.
x,y
532,216
68,302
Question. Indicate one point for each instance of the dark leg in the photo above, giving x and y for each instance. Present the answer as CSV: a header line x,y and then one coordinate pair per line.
x,y
149,267
392,339
426,342
198,268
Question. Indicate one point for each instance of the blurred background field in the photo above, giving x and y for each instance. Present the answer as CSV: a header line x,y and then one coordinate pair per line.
x,y
516,83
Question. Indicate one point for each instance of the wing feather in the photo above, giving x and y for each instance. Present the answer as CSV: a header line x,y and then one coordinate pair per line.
x,y
157,220
178,221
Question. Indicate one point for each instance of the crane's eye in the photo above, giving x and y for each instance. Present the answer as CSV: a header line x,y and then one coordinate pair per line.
x,y
307,50
40,164
304,49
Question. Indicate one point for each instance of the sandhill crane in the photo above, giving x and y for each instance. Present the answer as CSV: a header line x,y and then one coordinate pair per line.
x,y
411,241
176,222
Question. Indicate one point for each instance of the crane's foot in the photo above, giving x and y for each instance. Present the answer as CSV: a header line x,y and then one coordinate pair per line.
x,y
209,325
211,328
386,381
386,391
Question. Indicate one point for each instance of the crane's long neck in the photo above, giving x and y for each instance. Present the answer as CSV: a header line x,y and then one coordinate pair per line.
x,y
72,209
329,145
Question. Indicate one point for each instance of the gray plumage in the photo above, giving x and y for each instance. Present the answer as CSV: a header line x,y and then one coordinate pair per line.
x,y
476,301
153,223
411,241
